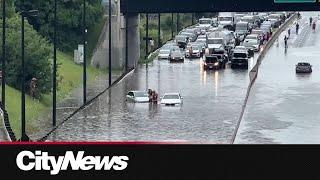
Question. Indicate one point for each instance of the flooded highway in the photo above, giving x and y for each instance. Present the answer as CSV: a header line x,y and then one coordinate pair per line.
x,y
211,107
283,107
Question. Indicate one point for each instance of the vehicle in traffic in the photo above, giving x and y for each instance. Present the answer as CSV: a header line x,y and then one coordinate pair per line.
x,y
171,99
226,20
252,44
191,36
255,37
137,96
193,50
240,58
259,33
303,67
181,41
242,30
164,54
249,19
250,50
275,23
205,23
176,56
213,61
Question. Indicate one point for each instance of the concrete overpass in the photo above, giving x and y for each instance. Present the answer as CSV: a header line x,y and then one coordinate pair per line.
x,y
197,6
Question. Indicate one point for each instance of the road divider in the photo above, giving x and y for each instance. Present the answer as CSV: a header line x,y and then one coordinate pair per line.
x,y
253,74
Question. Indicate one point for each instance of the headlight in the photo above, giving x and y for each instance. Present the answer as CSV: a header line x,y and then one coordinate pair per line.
x,y
216,64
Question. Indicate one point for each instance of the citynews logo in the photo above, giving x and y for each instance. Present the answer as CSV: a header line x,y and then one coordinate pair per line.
x,y
42,161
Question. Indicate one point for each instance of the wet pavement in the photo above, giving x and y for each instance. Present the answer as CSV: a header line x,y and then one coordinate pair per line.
x,y
283,107
211,107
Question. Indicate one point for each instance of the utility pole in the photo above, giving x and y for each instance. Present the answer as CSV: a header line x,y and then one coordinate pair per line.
x,y
84,31
110,49
54,93
3,66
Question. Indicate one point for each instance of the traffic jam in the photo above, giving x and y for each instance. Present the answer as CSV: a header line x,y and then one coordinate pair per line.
x,y
228,40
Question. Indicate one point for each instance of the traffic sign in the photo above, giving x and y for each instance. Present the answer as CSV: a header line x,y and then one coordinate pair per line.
x,y
295,1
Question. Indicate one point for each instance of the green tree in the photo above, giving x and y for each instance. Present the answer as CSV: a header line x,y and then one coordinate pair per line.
x,y
38,52
70,19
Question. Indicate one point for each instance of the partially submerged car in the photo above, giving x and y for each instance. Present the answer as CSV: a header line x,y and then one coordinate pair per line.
x,y
137,97
172,99
303,67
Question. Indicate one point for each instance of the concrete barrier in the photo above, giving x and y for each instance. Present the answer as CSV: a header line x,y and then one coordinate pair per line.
x,y
253,74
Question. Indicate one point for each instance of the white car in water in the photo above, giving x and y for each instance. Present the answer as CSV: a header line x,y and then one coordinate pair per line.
x,y
138,97
172,99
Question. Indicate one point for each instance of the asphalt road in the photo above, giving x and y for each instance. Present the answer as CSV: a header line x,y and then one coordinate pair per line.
x,y
283,107
211,108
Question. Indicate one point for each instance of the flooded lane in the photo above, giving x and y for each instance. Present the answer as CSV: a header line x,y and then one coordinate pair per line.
x,y
211,107
283,107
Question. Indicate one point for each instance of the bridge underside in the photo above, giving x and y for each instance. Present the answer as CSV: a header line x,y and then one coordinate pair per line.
x,y
194,6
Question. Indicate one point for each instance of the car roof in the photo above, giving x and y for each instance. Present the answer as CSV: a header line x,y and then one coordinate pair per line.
x,y
138,91
171,94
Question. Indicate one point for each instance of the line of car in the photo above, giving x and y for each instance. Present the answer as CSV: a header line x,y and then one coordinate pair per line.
x,y
229,38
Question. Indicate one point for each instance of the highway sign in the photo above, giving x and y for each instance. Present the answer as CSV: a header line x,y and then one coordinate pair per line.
x,y
294,1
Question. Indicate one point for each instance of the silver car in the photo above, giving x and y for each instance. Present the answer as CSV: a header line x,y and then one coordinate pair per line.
x,y
138,97
164,54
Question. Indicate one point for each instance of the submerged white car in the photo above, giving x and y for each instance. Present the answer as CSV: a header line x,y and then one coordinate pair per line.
x,y
171,99
138,96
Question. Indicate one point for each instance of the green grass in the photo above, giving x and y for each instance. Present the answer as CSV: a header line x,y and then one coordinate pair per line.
x,y
13,104
71,78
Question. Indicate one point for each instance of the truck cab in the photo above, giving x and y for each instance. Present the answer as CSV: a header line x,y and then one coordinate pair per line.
x,y
226,20
242,30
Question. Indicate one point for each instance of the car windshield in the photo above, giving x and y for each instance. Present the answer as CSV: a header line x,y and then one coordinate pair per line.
x,y
205,21
251,37
181,38
211,59
249,20
215,41
241,27
195,47
240,48
257,32
225,18
140,94
173,96
176,53
164,51
240,55
249,43
303,64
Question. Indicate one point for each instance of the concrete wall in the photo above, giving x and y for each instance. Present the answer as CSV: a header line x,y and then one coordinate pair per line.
x,y
118,41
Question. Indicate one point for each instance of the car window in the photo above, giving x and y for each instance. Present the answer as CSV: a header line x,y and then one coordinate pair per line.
x,y
141,94
171,97
130,94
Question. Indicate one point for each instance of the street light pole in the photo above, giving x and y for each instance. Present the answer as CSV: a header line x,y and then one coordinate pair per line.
x,y
54,93
159,30
172,25
84,31
110,69
24,136
3,66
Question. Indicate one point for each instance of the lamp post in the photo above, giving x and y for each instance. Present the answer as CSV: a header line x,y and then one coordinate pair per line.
x,y
54,92
110,43
84,31
3,64
30,13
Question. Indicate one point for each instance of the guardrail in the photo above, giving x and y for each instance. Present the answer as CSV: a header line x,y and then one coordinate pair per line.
x,y
253,74
6,124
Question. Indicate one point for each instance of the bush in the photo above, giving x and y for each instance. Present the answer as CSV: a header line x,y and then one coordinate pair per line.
x,y
37,57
